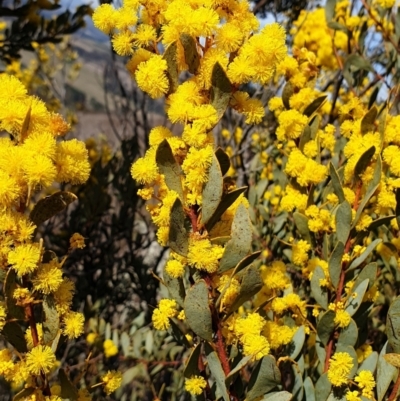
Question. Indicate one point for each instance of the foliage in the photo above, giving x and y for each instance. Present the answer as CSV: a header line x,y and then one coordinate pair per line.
x,y
26,23
290,293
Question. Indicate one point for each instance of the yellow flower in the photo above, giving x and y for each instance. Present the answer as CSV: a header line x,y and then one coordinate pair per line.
x,y
77,241
110,349
340,366
40,359
366,383
150,76
161,315
91,338
111,380
203,255
24,258
63,296
195,385
48,277
175,268
145,170
104,18
300,252
352,396
123,43
255,345
72,162
363,352
73,324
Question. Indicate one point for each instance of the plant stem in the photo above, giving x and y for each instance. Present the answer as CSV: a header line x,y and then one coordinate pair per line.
x,y
395,390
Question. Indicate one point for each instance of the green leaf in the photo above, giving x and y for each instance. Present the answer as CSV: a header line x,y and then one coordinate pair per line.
x,y
368,121
298,386
384,374
246,261
178,230
192,365
330,8
297,343
287,92
326,326
68,390
50,320
301,222
369,363
15,336
322,388
361,259
393,325
314,125
216,370
192,57
220,240
197,310
242,363
168,166
23,394
305,137
175,287
372,187
369,271
212,191
265,376
380,222
50,206
335,264
349,335
13,310
352,304
178,335
125,343
337,26
320,294
240,244
336,184
172,67
363,163
221,89
224,160
226,201
314,105
279,396
251,284
309,389
353,63
25,125
343,221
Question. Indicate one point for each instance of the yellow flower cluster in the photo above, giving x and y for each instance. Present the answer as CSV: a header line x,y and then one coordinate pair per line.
x,y
167,308
32,158
340,366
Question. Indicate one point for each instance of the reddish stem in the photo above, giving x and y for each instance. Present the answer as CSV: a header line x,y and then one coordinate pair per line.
x,y
393,394
193,219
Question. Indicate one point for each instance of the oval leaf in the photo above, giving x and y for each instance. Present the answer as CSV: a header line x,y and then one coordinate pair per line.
x,y
197,311
168,166
212,192
50,206
216,370
178,230
240,244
